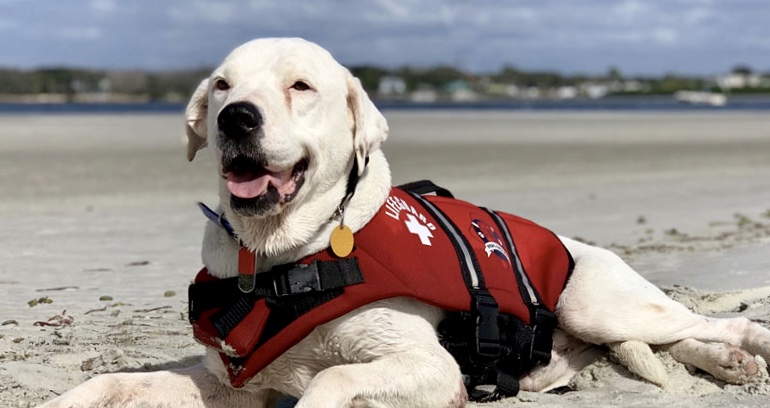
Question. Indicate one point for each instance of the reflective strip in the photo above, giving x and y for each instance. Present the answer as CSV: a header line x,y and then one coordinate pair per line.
x,y
523,278
458,238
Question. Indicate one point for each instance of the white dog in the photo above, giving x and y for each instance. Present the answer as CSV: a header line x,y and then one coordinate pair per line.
x,y
289,127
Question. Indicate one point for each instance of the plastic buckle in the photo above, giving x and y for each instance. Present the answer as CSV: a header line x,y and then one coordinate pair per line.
x,y
299,279
192,312
487,329
545,319
542,336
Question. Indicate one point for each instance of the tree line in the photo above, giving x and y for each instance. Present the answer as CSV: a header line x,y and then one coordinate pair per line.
x,y
179,84
69,81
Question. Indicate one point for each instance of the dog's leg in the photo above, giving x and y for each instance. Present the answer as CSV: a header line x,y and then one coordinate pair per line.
x,y
387,355
725,362
607,302
192,387
568,356
425,377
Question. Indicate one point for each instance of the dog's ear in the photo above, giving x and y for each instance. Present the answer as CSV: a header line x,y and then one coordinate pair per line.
x,y
370,128
195,116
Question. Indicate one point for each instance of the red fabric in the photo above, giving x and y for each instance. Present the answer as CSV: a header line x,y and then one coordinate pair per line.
x,y
396,262
247,262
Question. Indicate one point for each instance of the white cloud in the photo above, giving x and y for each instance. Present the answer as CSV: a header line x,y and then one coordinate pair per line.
x,y
103,6
81,33
394,8
697,16
665,35
195,11
629,9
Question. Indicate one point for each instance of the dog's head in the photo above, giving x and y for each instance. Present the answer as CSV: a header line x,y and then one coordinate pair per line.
x,y
284,119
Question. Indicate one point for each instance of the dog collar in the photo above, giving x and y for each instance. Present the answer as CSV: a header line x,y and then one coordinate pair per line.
x,y
247,260
218,219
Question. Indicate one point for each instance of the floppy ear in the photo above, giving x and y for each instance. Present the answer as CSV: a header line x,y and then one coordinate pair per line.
x,y
370,128
195,115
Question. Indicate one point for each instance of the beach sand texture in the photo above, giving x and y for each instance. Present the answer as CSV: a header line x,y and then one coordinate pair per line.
x,y
100,235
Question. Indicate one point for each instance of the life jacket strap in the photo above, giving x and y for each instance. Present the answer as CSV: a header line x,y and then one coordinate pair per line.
x,y
542,320
484,306
486,311
283,281
542,343
504,347
479,356
423,187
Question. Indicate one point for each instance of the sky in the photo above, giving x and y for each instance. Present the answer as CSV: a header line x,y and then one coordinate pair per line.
x,y
652,37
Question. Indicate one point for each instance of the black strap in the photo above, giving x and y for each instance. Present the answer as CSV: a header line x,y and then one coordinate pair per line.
x,y
423,187
542,320
353,179
530,345
484,307
519,346
316,276
284,281
528,291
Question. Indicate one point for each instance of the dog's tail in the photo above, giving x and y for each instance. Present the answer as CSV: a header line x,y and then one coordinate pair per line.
x,y
638,357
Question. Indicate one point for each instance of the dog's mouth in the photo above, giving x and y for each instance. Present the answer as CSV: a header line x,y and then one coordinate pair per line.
x,y
248,179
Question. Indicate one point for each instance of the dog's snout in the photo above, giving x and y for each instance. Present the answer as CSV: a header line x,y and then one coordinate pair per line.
x,y
238,119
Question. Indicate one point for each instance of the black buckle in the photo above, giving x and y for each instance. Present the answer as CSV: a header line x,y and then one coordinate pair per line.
x,y
300,278
542,336
192,312
545,319
486,312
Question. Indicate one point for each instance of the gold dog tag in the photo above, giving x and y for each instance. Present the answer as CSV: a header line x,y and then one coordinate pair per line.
x,y
341,241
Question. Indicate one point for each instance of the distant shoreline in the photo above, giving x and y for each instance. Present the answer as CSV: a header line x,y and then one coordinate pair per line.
x,y
55,104
120,98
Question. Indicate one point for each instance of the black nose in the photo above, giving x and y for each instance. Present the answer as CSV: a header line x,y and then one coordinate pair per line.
x,y
238,119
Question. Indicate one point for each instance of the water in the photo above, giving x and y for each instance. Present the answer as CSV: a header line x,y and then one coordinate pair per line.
x,y
90,108
639,103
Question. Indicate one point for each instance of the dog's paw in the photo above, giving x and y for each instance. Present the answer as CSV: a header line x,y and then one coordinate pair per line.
x,y
735,366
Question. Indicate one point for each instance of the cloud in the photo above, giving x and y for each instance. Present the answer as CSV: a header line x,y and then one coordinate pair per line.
x,y
80,33
197,11
653,36
665,35
104,6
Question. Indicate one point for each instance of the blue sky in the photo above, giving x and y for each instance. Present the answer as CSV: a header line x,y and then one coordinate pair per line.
x,y
640,37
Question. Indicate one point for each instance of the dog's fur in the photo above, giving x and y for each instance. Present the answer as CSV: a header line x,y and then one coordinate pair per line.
x,y
385,354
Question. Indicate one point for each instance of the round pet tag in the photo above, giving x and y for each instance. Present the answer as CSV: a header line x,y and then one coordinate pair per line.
x,y
342,241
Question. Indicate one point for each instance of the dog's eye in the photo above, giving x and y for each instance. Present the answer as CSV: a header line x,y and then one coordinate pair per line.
x,y
221,85
300,86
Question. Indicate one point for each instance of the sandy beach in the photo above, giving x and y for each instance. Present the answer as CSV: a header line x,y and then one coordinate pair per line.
x,y
100,235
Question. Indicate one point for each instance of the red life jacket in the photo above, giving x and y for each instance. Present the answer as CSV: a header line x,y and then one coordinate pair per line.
x,y
500,265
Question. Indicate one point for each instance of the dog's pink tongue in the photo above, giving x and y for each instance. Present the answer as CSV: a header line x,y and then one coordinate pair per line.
x,y
252,185
247,185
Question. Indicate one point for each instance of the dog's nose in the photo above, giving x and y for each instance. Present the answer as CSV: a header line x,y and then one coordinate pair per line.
x,y
238,119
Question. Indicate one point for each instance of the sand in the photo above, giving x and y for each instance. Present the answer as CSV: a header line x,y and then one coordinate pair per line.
x,y
99,234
